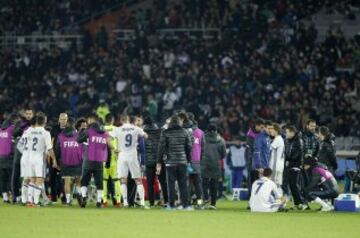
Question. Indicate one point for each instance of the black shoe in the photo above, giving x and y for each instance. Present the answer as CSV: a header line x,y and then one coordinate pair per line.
x,y
6,202
83,201
99,204
283,209
69,204
114,202
78,198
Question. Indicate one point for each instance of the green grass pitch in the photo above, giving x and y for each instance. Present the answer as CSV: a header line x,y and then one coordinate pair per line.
x,y
230,220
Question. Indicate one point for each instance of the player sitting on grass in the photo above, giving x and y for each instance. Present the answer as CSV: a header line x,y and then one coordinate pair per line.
x,y
265,195
322,184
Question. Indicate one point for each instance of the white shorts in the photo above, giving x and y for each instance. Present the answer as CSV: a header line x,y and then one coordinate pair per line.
x,y
24,167
37,168
126,165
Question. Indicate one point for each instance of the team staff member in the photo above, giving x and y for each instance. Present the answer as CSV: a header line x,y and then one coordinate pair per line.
x,y
70,154
151,147
176,145
293,162
6,155
327,152
20,127
214,151
56,184
322,184
97,153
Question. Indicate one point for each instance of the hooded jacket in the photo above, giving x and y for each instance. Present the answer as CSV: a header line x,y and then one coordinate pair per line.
x,y
327,152
214,151
151,143
176,144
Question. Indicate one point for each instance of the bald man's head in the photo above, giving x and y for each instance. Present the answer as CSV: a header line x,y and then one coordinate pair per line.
x,y
63,118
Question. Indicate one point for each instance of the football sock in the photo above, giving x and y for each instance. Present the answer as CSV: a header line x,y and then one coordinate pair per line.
x,y
140,191
37,192
117,191
5,197
105,190
30,193
124,193
99,195
68,198
24,193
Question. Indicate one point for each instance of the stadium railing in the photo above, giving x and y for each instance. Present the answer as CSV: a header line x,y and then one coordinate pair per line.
x,y
174,33
39,41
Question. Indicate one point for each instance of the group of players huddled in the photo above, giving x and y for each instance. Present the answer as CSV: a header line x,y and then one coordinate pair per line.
x,y
178,159
94,147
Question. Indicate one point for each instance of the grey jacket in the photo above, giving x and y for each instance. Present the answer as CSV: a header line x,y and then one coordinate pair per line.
x,y
214,151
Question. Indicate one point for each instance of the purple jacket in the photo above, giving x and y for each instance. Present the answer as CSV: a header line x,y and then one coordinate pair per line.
x,y
71,151
198,145
97,148
6,144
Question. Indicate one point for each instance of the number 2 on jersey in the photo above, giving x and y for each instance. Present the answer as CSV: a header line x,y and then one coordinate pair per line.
x,y
259,184
35,141
128,140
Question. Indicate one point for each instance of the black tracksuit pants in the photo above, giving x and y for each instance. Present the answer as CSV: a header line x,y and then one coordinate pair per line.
x,y
210,184
177,173
293,179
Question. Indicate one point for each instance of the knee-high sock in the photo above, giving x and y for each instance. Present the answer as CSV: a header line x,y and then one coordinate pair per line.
x,y
99,195
24,192
30,193
117,191
105,190
140,191
37,193
124,193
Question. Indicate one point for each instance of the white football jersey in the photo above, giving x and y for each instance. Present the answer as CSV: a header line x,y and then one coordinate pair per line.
x,y
264,195
127,137
36,142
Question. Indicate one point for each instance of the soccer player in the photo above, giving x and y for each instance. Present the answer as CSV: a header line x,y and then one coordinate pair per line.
x,y
265,196
127,137
110,168
277,158
20,127
70,154
6,155
322,184
99,142
37,143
